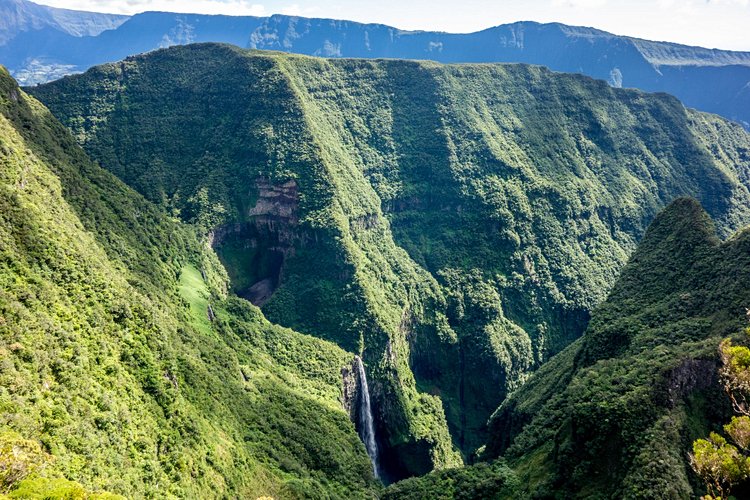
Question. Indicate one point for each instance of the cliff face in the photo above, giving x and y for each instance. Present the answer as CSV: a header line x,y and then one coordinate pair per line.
x,y
455,225
350,392
254,252
277,204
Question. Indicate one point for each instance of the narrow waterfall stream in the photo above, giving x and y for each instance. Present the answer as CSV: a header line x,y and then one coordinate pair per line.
x,y
366,424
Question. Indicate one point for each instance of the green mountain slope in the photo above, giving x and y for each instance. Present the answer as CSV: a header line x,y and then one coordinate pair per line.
x,y
111,372
615,414
454,224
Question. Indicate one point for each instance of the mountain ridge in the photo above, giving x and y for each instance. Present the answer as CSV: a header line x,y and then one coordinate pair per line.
x,y
22,15
707,79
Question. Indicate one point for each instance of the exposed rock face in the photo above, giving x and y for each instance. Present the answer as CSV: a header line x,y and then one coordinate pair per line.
x,y
349,386
691,375
257,249
276,205
261,292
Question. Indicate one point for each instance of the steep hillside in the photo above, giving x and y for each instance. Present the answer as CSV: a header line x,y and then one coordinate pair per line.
x,y
614,415
707,79
454,224
124,366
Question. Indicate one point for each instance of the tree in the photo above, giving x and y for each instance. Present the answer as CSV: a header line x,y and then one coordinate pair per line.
x,y
719,463
19,458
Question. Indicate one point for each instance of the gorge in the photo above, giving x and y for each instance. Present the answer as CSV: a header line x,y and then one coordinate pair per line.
x,y
238,274
441,221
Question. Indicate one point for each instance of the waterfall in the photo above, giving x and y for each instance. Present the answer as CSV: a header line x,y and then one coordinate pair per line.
x,y
366,425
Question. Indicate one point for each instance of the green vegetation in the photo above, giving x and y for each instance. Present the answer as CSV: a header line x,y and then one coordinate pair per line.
x,y
456,225
615,414
44,488
494,480
720,464
113,378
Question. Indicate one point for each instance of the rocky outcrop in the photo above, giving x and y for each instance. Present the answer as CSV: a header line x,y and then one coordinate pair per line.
x,y
350,386
260,293
691,375
365,222
277,204
257,249
274,214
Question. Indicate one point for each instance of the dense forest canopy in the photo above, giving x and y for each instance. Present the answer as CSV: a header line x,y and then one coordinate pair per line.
x,y
215,251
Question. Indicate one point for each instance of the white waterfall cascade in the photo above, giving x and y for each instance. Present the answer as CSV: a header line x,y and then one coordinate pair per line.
x,y
366,424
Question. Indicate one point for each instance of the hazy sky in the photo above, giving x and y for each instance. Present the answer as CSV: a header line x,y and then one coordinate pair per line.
x,y
709,23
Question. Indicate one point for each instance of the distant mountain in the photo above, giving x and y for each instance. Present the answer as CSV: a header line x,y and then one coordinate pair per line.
x,y
19,16
21,20
39,44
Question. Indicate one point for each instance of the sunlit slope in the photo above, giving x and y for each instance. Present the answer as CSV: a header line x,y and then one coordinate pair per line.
x,y
110,370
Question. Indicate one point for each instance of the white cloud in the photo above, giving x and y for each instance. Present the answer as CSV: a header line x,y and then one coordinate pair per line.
x,y
579,4
730,3
296,10
230,7
292,10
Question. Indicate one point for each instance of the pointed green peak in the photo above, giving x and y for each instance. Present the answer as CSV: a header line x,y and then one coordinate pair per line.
x,y
682,220
679,236
681,239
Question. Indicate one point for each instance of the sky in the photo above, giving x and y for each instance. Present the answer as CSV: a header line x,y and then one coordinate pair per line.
x,y
721,24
